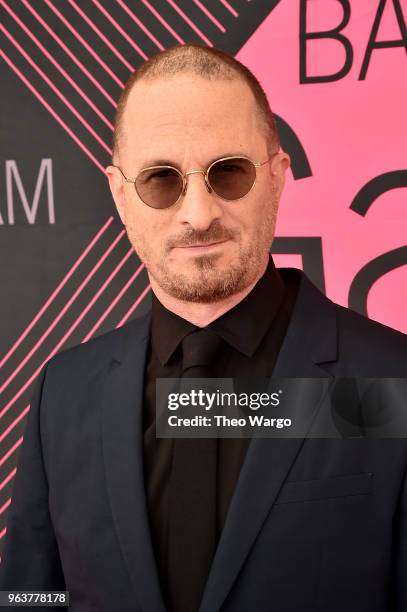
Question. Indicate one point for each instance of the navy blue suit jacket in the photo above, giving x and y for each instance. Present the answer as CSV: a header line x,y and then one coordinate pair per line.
x,y
313,525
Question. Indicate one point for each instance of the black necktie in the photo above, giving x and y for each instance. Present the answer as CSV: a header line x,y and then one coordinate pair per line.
x,y
192,510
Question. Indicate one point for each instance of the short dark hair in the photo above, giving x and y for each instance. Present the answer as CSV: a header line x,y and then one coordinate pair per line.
x,y
208,63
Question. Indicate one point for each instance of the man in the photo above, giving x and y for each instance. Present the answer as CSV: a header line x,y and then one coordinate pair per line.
x,y
127,521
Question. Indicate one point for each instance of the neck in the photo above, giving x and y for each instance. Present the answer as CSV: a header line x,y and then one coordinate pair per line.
x,y
200,314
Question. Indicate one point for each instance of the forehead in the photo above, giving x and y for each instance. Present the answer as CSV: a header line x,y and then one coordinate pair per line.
x,y
186,117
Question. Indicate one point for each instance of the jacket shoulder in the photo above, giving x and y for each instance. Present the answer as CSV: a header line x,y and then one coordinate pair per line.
x,y
365,341
92,355
350,344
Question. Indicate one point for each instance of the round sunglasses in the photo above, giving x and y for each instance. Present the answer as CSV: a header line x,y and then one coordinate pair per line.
x,y
231,178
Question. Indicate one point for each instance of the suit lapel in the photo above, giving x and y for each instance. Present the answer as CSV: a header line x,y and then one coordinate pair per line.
x,y
122,434
310,341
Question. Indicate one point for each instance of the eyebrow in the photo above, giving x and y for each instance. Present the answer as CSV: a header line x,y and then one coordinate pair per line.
x,y
167,162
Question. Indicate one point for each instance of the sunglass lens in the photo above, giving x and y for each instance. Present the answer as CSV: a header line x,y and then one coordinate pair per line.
x,y
232,178
159,187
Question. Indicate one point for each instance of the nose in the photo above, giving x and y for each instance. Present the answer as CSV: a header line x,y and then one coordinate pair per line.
x,y
199,204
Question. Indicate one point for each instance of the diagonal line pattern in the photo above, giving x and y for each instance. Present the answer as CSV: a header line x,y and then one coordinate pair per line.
x,y
14,423
113,304
53,324
191,24
56,90
56,291
141,25
5,505
58,66
134,306
163,22
95,327
85,44
25,411
8,478
119,29
50,109
71,55
11,450
102,36
209,15
93,300
230,8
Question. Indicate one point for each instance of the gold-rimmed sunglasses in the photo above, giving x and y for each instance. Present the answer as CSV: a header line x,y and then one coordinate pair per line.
x,y
231,178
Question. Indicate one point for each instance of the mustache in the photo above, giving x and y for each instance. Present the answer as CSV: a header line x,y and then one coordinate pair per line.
x,y
192,237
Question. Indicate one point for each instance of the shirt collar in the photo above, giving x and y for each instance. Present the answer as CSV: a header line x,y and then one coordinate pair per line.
x,y
243,326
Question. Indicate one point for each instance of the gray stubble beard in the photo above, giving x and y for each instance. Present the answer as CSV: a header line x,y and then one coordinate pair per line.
x,y
208,287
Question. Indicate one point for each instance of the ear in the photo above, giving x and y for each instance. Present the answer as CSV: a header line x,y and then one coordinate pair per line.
x,y
117,189
280,163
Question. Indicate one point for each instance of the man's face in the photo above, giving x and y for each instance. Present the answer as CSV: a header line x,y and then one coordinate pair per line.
x,y
190,122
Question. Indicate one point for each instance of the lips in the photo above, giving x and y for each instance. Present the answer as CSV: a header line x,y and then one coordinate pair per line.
x,y
204,244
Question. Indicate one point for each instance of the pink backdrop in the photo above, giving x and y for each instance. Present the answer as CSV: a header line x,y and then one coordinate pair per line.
x,y
352,131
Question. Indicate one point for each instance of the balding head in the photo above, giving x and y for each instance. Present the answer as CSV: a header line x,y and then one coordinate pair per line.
x,y
205,62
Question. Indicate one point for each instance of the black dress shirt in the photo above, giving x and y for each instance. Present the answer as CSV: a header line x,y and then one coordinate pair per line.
x,y
252,331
